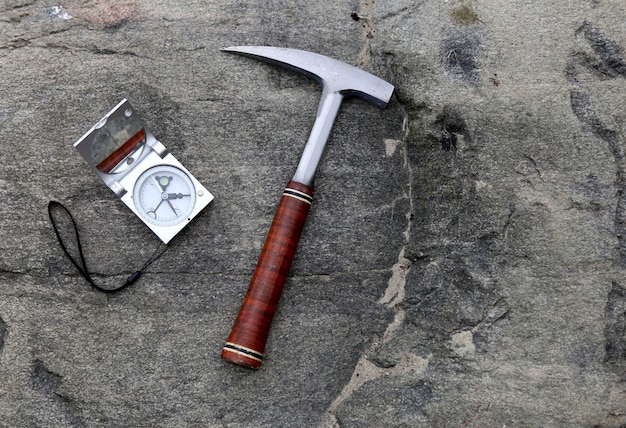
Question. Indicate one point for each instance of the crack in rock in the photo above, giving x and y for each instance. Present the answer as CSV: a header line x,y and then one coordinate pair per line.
x,y
368,29
366,371
393,296
464,343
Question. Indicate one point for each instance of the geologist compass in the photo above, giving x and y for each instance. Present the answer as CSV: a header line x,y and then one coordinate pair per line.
x,y
142,172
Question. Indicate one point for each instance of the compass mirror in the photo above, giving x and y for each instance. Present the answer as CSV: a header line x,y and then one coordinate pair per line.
x,y
117,142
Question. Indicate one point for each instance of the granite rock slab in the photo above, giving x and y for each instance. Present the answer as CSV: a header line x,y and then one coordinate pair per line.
x,y
463,261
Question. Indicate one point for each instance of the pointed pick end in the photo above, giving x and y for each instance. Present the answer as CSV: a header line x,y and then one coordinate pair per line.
x,y
265,52
242,49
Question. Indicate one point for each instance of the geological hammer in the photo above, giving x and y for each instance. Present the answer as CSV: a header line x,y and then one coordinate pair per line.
x,y
246,342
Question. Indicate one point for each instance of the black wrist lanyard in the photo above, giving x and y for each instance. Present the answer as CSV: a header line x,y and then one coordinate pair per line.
x,y
82,267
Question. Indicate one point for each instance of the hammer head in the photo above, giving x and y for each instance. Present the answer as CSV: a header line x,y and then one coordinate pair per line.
x,y
334,76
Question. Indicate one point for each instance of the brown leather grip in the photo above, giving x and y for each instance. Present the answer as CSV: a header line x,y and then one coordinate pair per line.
x,y
246,342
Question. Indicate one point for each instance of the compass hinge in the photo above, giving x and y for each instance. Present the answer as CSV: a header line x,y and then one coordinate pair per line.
x,y
159,148
117,188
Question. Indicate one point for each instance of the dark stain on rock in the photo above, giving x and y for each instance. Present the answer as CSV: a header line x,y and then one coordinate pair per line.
x,y
606,50
601,59
45,380
3,333
582,64
464,13
605,61
615,330
583,109
452,127
60,407
459,53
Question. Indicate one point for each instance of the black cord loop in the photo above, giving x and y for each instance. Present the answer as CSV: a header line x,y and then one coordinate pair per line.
x,y
82,267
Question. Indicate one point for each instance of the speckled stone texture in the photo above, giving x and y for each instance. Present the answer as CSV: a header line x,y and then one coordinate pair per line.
x,y
462,264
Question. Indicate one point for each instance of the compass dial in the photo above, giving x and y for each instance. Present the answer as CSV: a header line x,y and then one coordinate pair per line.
x,y
164,195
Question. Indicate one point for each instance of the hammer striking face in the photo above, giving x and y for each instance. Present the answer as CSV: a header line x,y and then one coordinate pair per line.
x,y
246,342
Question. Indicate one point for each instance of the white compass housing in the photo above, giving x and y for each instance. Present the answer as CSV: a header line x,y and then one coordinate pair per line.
x,y
142,173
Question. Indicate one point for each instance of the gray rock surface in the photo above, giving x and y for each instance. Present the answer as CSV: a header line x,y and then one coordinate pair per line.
x,y
463,263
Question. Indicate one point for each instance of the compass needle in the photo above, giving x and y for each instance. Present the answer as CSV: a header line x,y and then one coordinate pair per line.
x,y
172,207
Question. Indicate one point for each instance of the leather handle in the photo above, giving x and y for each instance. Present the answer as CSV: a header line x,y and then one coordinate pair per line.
x,y
246,342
